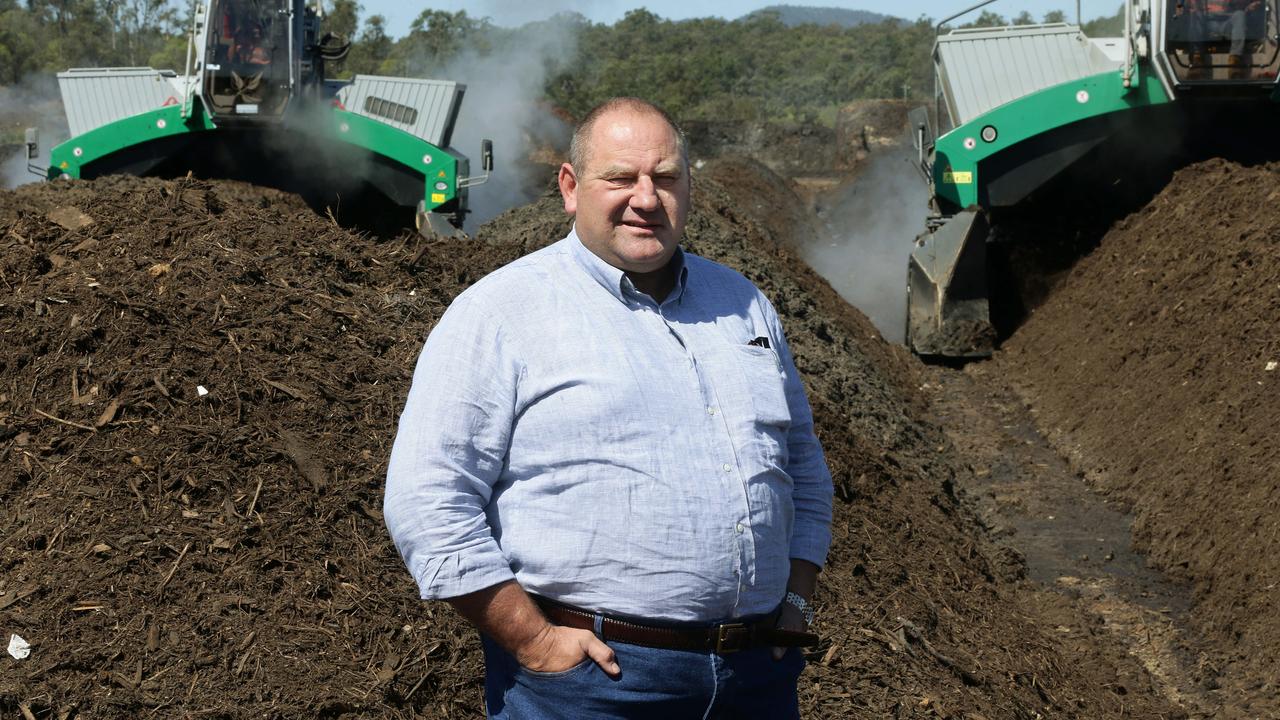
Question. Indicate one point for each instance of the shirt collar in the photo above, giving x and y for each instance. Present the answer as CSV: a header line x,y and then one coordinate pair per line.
x,y
615,280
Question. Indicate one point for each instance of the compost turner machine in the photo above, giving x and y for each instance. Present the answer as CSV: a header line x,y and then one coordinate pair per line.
x,y
1025,107
254,104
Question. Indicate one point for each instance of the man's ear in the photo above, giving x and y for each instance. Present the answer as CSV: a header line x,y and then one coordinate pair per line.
x,y
568,188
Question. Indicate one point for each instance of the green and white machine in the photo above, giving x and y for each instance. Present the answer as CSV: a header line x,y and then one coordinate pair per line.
x,y
254,104
1027,105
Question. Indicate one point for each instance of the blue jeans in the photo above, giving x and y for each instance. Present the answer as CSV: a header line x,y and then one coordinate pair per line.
x,y
658,684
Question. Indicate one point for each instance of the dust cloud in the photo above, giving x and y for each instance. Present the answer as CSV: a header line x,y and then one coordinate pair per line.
x,y
871,224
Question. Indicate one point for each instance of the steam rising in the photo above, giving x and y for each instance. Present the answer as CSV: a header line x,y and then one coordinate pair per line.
x,y
502,104
871,228
513,13
34,102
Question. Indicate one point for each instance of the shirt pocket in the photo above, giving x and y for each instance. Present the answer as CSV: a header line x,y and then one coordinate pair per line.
x,y
762,371
770,417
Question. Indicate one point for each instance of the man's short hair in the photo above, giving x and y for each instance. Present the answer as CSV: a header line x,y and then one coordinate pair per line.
x,y
582,133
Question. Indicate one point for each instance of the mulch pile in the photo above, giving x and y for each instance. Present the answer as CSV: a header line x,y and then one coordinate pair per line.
x,y
198,391
1155,366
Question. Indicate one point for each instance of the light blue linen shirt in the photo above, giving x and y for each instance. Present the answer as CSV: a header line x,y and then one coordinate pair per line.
x,y
622,456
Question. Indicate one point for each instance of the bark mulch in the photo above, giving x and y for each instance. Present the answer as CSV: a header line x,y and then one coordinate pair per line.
x,y
198,391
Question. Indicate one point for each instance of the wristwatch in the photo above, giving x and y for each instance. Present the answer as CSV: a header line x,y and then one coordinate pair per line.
x,y
799,603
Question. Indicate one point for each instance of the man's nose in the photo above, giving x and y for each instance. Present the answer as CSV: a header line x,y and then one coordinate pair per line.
x,y
645,195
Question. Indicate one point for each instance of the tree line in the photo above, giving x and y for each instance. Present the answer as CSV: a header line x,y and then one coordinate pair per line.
x,y
45,36
756,67
752,68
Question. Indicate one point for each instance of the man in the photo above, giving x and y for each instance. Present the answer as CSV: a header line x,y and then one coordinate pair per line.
x,y
1206,21
607,463
249,60
249,49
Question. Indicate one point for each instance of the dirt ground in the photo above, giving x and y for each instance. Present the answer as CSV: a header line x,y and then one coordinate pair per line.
x,y
1076,544
1154,368
199,384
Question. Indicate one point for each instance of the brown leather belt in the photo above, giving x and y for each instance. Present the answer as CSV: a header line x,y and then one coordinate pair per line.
x,y
721,639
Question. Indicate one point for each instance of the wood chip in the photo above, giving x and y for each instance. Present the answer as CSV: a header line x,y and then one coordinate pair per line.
x,y
240,602
172,570
17,595
302,458
64,422
69,218
831,654
295,394
108,413
244,657
80,398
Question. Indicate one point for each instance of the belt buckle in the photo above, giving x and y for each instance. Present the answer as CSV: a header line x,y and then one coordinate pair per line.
x,y
730,633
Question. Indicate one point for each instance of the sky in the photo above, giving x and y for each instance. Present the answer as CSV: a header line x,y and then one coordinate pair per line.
x,y
400,14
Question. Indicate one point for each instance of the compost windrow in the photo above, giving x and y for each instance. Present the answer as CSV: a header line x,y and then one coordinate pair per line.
x,y
1155,367
199,385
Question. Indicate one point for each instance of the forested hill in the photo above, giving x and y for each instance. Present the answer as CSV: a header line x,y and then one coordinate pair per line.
x,y
793,15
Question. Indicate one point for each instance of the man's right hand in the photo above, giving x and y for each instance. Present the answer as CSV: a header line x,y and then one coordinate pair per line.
x,y
507,614
557,648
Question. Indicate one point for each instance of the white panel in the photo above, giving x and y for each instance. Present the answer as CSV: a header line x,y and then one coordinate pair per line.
x,y
94,97
988,67
435,101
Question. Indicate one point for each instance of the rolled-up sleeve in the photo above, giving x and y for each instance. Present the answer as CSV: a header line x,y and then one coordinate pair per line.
x,y
449,452
807,466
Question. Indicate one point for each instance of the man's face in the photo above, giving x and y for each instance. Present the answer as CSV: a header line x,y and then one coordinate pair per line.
x,y
630,201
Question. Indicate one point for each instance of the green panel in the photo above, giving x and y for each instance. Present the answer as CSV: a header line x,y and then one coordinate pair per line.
x,y
435,164
69,157
955,169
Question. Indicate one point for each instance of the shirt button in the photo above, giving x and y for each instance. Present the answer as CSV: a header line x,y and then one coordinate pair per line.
x,y
727,467
711,411
739,527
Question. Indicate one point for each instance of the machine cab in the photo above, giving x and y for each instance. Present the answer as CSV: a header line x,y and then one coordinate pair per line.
x,y
247,58
1219,42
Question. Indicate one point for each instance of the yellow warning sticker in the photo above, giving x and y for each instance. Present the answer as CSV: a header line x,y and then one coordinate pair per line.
x,y
957,178
440,174
437,197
